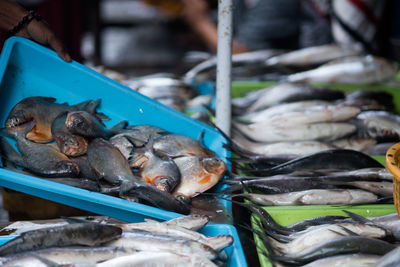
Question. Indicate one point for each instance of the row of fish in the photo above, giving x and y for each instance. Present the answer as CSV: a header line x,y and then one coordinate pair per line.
x,y
326,63
293,119
329,240
140,161
86,243
331,177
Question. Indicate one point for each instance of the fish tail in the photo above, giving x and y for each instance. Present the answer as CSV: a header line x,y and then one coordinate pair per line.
x,y
117,128
9,153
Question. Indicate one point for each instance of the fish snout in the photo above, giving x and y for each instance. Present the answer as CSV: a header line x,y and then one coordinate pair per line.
x,y
214,165
16,119
68,167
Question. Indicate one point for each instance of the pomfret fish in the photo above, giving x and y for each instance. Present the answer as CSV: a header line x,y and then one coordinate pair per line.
x,y
88,234
198,174
68,143
311,56
43,110
32,154
162,173
173,146
84,124
108,162
351,70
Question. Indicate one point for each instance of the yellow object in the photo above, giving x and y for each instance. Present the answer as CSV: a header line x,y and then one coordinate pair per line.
x,y
392,165
173,7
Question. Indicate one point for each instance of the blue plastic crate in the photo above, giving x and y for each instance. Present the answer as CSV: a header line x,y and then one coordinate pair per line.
x,y
28,69
235,251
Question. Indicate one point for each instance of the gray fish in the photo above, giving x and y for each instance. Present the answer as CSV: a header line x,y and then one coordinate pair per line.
x,y
161,173
314,197
86,171
108,162
340,245
378,124
68,143
87,234
311,56
67,255
84,124
192,222
350,70
42,159
390,259
198,174
293,92
216,242
143,240
348,260
43,110
173,146
159,258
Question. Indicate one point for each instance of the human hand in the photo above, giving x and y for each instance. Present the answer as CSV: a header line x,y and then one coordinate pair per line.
x,y
40,31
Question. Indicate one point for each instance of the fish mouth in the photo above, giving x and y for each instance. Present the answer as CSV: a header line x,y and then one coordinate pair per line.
x,y
72,145
18,119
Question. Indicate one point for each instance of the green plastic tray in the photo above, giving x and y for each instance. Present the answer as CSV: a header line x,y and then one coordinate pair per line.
x,y
285,215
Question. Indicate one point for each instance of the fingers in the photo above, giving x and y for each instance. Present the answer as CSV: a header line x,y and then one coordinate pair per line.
x,y
58,46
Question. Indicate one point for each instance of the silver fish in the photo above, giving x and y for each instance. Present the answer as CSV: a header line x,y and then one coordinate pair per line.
x,y
348,260
311,56
315,197
389,259
354,143
198,174
143,240
293,92
317,234
351,70
216,242
163,258
192,222
379,124
274,132
89,234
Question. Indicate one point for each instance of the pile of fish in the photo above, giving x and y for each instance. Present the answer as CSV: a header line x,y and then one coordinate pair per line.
x,y
331,177
86,243
328,63
295,119
350,240
132,161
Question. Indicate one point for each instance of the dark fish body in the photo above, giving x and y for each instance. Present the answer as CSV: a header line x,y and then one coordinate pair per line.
x,y
67,255
43,110
108,162
341,245
86,171
330,159
68,143
33,155
84,124
87,234
390,259
162,173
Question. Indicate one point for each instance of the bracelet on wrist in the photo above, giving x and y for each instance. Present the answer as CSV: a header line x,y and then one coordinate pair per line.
x,y
24,22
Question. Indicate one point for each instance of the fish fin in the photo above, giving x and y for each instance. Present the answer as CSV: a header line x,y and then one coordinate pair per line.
x,y
73,220
117,128
6,133
356,217
82,105
200,138
47,262
9,153
349,232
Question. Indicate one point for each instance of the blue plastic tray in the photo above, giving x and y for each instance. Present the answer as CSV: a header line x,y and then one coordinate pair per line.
x,y
235,251
28,69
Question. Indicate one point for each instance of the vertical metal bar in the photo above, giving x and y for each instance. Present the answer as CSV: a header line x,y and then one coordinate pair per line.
x,y
224,66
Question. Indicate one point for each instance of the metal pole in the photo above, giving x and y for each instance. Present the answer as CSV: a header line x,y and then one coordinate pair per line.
x,y
224,66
